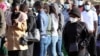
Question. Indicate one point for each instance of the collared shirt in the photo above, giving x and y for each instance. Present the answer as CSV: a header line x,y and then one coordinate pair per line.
x,y
43,21
89,18
66,15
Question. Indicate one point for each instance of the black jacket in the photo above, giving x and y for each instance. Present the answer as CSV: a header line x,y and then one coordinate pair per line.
x,y
31,22
75,32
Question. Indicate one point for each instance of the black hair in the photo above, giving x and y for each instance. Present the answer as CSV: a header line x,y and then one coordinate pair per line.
x,y
46,6
39,4
14,6
23,7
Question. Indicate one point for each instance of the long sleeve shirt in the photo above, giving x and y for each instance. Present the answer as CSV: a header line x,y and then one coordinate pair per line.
x,y
43,22
54,24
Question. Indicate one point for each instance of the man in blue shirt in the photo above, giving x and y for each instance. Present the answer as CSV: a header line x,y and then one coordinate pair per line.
x,y
42,24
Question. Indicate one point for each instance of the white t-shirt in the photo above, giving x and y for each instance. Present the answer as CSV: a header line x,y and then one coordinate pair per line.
x,y
89,18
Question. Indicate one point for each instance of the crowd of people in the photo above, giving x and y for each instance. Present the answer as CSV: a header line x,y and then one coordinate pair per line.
x,y
69,27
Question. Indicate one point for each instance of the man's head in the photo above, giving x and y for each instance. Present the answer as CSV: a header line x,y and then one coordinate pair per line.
x,y
87,5
67,5
38,5
24,8
46,8
15,7
80,3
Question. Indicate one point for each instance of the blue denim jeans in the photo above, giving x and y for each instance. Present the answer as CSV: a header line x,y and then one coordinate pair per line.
x,y
44,43
59,47
52,47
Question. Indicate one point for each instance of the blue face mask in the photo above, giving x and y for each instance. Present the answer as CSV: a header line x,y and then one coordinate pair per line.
x,y
80,3
87,7
66,6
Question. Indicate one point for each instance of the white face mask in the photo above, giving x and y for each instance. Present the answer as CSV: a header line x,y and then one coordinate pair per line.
x,y
66,6
60,7
80,3
73,19
87,7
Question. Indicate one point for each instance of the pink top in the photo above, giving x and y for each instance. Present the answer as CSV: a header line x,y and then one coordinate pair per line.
x,y
3,6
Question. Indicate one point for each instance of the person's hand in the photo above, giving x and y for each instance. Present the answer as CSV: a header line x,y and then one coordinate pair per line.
x,y
15,23
16,20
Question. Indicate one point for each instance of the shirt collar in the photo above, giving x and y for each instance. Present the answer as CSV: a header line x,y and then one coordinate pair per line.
x,y
42,11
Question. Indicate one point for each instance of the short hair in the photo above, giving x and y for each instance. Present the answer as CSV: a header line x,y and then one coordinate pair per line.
x,y
23,7
46,6
14,4
39,4
87,2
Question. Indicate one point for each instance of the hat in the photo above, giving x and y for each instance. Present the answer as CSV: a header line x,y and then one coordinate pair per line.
x,y
75,11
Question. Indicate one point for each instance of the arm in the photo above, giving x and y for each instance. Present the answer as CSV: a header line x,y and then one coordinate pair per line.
x,y
2,23
22,24
42,24
95,17
85,36
65,39
52,22
30,23
62,21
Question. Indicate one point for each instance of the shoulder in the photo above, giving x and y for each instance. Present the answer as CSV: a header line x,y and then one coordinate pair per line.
x,y
83,24
52,15
94,12
83,12
91,11
24,15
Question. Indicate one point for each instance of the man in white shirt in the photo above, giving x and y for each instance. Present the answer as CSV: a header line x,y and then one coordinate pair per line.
x,y
90,18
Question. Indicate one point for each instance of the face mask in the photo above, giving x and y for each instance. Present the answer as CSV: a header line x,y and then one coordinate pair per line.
x,y
80,3
87,7
66,6
60,7
36,13
73,19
